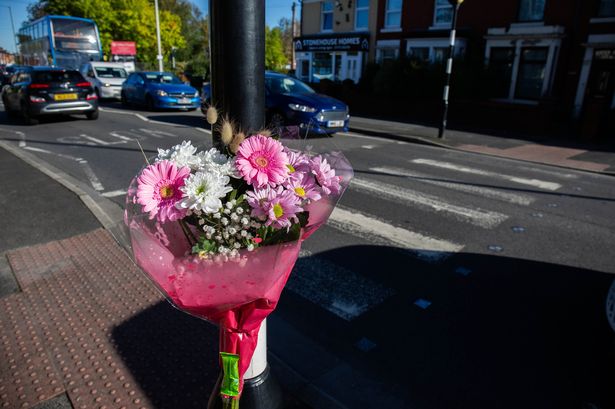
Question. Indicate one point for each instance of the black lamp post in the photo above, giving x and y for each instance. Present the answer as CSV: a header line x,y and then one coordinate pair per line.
x,y
449,67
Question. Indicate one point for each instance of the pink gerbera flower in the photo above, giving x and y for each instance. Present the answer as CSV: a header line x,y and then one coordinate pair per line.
x,y
259,200
304,186
325,176
158,190
283,209
262,161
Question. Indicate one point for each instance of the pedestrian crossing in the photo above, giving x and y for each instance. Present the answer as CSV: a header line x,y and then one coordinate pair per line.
x,y
425,187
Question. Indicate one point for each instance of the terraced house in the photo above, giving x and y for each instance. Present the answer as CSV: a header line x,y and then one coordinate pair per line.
x,y
551,59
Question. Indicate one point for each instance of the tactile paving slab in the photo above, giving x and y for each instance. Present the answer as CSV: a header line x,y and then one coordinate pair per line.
x,y
89,324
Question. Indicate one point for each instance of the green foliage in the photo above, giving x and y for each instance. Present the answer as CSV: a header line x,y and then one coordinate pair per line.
x,y
274,50
127,20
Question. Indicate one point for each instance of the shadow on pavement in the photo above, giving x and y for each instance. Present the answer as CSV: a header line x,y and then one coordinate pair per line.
x,y
172,355
503,332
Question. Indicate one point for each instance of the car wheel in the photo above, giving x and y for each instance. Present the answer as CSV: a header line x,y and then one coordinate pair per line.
x,y
7,108
149,102
27,117
92,115
331,134
124,100
277,120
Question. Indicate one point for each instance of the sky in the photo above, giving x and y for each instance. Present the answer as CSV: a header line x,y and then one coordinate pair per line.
x,y
274,11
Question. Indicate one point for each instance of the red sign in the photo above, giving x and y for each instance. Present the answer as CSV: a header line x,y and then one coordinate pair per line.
x,y
123,48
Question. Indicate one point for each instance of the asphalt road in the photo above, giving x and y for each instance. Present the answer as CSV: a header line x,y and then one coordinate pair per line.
x,y
444,279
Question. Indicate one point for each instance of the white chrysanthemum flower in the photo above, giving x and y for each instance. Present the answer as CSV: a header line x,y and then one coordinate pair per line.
x,y
182,155
203,191
214,161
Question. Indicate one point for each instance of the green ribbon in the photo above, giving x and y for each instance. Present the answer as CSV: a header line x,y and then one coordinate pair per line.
x,y
230,378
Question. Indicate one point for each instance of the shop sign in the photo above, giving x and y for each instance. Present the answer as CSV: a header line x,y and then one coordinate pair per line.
x,y
341,42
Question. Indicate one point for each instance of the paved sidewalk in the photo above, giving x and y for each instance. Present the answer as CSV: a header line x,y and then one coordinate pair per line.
x,y
580,155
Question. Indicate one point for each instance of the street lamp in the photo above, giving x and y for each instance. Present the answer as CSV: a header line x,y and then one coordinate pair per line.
x,y
449,67
12,27
159,56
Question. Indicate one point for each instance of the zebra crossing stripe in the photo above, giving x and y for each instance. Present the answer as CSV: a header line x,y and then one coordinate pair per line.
x,y
478,217
490,193
378,231
541,184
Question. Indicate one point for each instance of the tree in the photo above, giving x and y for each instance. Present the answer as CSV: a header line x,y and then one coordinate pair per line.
x,y
129,20
285,25
274,50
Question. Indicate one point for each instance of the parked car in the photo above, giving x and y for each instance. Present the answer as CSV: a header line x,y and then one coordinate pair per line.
x,y
106,77
8,70
159,90
39,91
292,102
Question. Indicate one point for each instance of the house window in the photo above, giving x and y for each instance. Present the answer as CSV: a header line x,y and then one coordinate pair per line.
x,y
326,16
531,72
392,14
531,10
501,62
418,53
606,8
443,13
385,55
361,16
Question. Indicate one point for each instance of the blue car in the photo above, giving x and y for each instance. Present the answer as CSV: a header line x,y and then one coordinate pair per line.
x,y
292,102
159,90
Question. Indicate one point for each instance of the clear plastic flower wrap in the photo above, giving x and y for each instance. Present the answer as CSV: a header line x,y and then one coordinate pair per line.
x,y
225,256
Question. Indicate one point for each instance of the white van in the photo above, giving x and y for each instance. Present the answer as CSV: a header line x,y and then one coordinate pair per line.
x,y
106,77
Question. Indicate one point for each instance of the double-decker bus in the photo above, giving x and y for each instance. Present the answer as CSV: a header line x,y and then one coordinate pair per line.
x,y
61,41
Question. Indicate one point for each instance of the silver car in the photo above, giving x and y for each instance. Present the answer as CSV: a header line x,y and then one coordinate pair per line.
x,y
106,78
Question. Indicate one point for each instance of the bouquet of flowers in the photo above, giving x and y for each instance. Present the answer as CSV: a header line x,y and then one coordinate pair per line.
x,y
220,231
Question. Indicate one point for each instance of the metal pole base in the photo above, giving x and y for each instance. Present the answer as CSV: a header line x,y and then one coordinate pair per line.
x,y
260,392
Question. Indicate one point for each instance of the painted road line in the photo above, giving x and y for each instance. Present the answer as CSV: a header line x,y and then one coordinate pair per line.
x,y
541,184
341,291
114,193
555,173
478,217
459,186
375,230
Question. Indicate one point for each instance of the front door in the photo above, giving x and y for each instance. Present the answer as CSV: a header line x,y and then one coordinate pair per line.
x,y
599,101
353,67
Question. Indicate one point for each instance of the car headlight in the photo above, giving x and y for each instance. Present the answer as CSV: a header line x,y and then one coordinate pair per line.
x,y
161,93
106,85
196,94
301,108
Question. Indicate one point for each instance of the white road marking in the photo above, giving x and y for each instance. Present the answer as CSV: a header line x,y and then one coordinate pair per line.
x,y
207,131
478,217
375,230
356,135
95,140
114,193
459,186
541,184
33,149
368,146
156,133
558,174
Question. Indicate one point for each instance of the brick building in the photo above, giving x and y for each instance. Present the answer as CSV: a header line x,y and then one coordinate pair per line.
x,y
6,57
554,55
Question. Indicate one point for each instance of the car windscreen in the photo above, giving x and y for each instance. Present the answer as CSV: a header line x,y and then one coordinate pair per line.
x,y
110,72
287,85
56,76
163,78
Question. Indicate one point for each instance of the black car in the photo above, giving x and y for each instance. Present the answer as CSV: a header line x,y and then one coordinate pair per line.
x,y
39,91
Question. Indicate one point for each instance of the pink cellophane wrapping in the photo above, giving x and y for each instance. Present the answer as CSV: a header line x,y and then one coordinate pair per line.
x,y
237,294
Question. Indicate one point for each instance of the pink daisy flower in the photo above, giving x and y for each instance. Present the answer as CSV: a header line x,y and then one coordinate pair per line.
x,y
283,209
297,163
262,161
259,199
304,186
325,176
158,190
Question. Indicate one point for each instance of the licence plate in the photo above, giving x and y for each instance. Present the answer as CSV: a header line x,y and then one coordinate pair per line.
x,y
183,101
335,124
64,97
